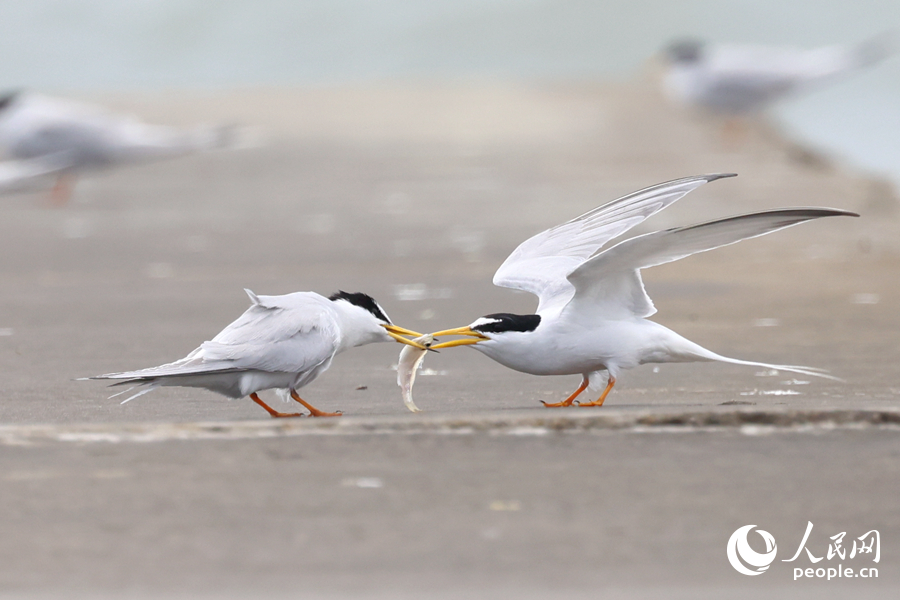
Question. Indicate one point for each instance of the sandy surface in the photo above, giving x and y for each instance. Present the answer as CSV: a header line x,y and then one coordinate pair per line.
x,y
415,194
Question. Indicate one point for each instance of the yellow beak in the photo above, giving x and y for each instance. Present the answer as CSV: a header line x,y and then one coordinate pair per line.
x,y
478,337
402,330
398,332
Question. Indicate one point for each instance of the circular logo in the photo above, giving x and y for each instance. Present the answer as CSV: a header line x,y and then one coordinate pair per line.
x,y
739,551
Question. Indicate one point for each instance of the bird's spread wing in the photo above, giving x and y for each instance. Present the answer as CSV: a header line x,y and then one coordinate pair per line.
x,y
610,283
541,263
290,334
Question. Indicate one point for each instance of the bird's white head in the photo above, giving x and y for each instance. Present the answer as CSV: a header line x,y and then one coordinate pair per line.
x,y
365,322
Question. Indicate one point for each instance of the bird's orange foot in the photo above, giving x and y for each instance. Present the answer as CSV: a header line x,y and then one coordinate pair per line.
x,y
313,411
557,404
280,415
568,401
595,403
272,412
599,401
62,190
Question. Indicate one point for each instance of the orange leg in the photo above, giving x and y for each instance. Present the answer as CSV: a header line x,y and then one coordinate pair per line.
x,y
313,411
275,414
599,401
62,190
734,134
568,401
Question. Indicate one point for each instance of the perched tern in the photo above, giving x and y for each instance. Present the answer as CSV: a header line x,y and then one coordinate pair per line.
x,y
592,311
66,137
736,80
280,342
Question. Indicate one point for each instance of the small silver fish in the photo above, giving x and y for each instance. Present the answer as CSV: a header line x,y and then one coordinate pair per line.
x,y
409,362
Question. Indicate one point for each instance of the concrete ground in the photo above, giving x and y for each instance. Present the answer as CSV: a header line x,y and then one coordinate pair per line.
x,y
415,194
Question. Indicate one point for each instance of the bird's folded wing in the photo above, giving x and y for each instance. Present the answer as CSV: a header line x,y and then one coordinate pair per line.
x,y
289,334
610,283
733,91
22,174
192,364
540,264
763,66
297,354
273,319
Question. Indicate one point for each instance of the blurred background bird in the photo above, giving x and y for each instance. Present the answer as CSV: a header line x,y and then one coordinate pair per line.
x,y
61,138
739,80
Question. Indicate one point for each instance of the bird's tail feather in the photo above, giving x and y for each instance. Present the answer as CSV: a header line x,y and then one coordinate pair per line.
x,y
802,370
833,61
875,49
150,386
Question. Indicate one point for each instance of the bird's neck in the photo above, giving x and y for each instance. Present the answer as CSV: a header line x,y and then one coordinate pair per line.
x,y
358,327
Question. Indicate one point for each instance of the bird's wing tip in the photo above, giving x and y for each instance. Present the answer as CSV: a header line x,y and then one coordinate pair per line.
x,y
253,297
714,176
824,211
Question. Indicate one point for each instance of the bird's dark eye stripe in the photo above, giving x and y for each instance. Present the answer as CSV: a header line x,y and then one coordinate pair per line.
x,y
501,322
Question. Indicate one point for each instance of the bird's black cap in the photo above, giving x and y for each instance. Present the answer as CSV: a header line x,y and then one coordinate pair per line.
x,y
685,50
7,98
363,301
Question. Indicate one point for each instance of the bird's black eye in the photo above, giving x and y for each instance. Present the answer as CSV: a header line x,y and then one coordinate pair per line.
x,y
500,322
364,301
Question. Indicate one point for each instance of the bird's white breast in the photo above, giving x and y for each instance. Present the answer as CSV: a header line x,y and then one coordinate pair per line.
x,y
564,347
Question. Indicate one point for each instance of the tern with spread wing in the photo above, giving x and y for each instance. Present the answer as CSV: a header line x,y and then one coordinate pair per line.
x,y
280,342
62,138
592,313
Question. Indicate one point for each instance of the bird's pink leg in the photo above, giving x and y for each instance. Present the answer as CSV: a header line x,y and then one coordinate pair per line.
x,y
568,401
62,189
274,413
313,411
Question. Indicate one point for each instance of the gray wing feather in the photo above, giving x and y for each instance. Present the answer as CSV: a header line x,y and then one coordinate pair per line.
x,y
290,334
610,283
541,263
